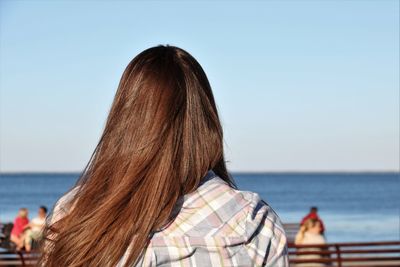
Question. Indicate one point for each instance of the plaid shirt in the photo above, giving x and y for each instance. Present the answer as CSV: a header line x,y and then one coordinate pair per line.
x,y
216,226
219,226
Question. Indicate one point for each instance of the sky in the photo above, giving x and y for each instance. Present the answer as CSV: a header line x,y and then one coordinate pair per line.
x,y
299,85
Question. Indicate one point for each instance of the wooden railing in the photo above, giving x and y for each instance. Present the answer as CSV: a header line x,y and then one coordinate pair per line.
x,y
366,254
16,258
346,254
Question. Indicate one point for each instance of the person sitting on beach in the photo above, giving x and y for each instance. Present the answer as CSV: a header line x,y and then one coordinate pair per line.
x,y
314,215
34,228
310,234
157,191
17,232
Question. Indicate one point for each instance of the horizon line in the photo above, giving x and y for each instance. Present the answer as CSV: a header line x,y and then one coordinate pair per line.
x,y
234,171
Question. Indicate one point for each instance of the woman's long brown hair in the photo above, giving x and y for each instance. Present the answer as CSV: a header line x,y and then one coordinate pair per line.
x,y
161,137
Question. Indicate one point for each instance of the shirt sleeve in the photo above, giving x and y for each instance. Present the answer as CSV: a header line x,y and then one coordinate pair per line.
x,y
268,242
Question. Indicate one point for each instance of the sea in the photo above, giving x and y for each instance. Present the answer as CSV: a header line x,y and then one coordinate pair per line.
x,y
353,206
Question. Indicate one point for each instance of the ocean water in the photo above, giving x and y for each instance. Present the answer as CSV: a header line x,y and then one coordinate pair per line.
x,y
353,206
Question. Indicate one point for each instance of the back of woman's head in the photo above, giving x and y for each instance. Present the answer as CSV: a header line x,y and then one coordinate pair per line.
x,y
161,137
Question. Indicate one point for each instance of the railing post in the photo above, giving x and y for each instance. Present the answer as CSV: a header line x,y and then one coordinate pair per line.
x,y
338,255
22,258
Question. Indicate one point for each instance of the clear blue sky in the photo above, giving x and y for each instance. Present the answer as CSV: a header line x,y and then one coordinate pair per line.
x,y
300,85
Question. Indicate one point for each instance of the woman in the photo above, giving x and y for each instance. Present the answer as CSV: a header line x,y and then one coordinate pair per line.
x,y
310,234
20,223
156,191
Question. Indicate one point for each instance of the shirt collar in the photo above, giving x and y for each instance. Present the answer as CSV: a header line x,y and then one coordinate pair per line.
x,y
209,175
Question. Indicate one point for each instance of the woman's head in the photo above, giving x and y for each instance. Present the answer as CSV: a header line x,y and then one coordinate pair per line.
x,y
161,137
23,213
164,103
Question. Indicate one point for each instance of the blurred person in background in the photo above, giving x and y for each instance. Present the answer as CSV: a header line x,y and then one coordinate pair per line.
x,y
310,234
313,214
34,228
17,232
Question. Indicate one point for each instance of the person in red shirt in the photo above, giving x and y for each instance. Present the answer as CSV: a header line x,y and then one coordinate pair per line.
x,y
17,232
314,215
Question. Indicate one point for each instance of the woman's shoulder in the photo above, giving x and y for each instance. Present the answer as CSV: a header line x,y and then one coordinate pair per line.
x,y
223,221
216,210
254,206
